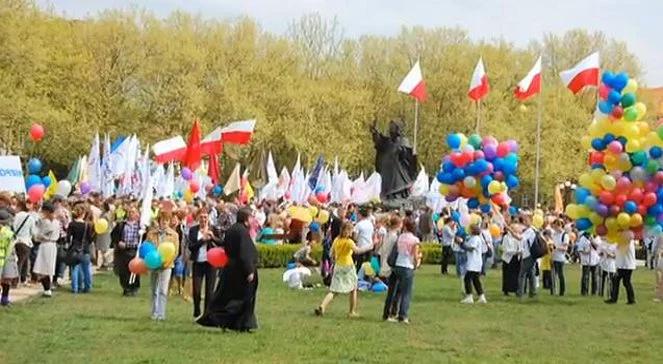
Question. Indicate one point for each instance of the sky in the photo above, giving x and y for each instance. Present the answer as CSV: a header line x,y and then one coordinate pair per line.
x,y
635,22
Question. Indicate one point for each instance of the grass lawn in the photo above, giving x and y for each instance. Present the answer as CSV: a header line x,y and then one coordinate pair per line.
x,y
104,327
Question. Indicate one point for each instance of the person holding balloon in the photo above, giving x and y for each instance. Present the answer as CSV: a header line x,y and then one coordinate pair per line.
x,y
125,238
202,238
166,241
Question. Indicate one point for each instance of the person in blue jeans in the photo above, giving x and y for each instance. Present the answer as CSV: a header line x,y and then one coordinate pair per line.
x,y
79,235
403,271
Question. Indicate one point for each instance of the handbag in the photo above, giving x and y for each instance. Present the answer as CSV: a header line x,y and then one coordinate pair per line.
x,y
74,254
393,255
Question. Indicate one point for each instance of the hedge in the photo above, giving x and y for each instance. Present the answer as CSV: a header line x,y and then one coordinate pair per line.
x,y
276,256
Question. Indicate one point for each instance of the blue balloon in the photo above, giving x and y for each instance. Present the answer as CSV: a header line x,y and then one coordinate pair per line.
x,y
473,203
46,181
146,248
655,210
498,164
217,190
591,202
153,260
512,181
34,166
446,178
605,106
659,195
453,141
614,97
598,144
482,165
461,232
583,224
485,208
32,180
630,207
458,174
448,167
485,181
509,167
655,152
608,138
620,81
455,215
607,78
513,210
581,195
319,188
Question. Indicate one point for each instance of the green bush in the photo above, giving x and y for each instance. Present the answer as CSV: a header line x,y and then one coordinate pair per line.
x,y
276,256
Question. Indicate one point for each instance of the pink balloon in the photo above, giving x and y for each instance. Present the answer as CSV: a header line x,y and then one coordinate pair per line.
x,y
478,155
36,193
489,140
513,145
615,147
623,184
658,177
502,149
650,186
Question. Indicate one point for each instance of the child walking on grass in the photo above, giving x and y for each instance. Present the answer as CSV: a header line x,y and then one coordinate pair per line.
x,y
344,277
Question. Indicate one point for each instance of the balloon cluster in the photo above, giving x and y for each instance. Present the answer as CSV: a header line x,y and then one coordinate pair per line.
x,y
479,169
622,196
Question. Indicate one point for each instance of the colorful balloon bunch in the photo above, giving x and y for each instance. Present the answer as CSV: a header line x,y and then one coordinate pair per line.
x,y
481,170
622,196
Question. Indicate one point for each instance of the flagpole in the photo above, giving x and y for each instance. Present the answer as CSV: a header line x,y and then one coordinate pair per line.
x,y
416,124
478,115
538,146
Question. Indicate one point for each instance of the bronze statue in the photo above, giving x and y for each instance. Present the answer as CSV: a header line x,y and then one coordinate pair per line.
x,y
394,160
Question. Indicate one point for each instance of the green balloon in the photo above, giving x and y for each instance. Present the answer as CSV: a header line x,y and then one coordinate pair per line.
x,y
631,114
638,158
650,220
652,166
475,141
628,100
659,131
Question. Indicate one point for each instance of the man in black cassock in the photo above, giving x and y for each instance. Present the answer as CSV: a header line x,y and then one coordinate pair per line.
x,y
233,304
395,161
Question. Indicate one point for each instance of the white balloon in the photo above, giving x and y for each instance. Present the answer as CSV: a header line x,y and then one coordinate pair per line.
x,y
64,188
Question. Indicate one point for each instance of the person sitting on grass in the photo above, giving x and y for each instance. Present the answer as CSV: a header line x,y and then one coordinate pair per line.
x,y
344,277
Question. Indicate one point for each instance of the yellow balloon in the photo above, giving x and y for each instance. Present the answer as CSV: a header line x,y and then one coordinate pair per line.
x,y
597,175
475,219
572,211
100,226
623,219
632,146
636,220
463,140
444,189
188,196
302,214
537,221
642,110
323,217
313,211
631,86
585,180
582,211
494,187
608,182
595,218
644,128
167,252
611,224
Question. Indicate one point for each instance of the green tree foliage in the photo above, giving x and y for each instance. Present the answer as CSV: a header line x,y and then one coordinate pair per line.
x,y
312,90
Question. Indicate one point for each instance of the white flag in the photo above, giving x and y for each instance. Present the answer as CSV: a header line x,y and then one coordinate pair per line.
x,y
233,183
108,184
94,166
272,175
420,186
147,194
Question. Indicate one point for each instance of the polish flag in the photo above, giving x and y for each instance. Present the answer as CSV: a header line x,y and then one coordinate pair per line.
x,y
212,143
585,73
413,84
169,150
193,155
531,84
479,86
238,132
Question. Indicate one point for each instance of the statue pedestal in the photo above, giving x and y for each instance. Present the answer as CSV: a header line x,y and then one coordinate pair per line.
x,y
403,204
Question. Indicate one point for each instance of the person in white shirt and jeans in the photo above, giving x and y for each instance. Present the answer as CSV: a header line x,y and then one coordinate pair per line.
x,y
608,252
363,237
589,259
527,274
625,262
561,242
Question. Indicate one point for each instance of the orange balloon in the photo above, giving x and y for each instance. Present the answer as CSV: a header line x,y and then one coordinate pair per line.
x,y
137,266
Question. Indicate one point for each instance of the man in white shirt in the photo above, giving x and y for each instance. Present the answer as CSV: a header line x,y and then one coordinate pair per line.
x,y
625,263
447,239
589,259
561,245
527,274
364,230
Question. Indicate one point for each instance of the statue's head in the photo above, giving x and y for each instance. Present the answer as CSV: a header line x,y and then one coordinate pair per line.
x,y
395,128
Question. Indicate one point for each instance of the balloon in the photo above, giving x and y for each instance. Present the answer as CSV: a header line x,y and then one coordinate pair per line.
x,y
217,190
623,219
615,147
636,220
34,166
100,226
322,197
604,91
649,199
36,192
46,181
583,223
36,132
630,207
217,257
631,87
630,114
32,180
85,187
598,144
617,112
495,231
186,173
64,188
475,141
641,108
167,252
608,182
301,214
137,266
620,81
614,97
537,221
470,182
323,217
194,186
628,99
145,248
453,141
502,149
605,106
607,78
153,260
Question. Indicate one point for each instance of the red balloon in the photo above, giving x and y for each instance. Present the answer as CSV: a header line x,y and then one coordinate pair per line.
x,y
606,197
457,159
499,199
137,266
604,91
650,186
498,176
468,157
658,177
601,230
478,154
638,232
36,193
503,149
623,184
636,195
614,210
194,186
649,199
595,158
617,112
217,257
620,200
642,210
36,132
322,197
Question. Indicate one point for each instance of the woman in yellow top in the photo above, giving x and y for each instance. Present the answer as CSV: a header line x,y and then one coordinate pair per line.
x,y
546,263
160,278
344,277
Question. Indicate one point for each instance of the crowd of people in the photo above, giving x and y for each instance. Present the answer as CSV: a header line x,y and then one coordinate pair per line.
x,y
363,247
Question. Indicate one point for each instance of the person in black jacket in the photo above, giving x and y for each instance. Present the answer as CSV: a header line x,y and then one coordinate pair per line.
x,y
233,304
202,237
125,239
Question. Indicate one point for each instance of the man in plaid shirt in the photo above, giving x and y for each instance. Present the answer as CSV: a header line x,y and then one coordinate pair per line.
x,y
126,237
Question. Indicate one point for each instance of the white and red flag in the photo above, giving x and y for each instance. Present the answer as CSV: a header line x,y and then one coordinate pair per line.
x,y
169,150
531,84
238,132
413,84
583,74
479,86
212,144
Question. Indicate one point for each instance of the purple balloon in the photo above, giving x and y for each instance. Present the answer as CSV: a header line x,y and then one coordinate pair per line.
x,y
186,173
450,198
602,210
490,151
513,145
85,187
